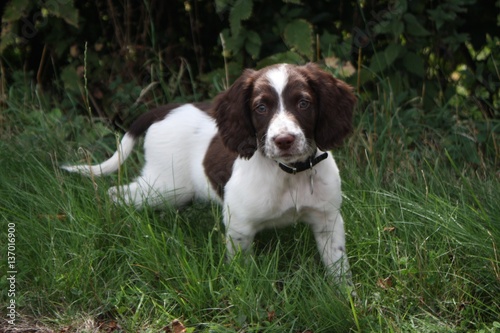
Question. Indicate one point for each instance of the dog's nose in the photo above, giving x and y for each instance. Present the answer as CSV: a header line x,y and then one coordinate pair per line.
x,y
284,141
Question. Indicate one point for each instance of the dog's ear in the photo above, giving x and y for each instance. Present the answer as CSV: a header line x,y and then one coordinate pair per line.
x,y
335,106
232,114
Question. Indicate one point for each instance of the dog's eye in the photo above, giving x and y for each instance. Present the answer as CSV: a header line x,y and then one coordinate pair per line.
x,y
261,109
304,104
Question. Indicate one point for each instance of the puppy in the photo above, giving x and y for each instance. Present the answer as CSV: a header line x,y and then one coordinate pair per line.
x,y
261,150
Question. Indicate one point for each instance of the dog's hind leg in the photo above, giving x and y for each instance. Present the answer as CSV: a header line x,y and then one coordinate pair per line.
x,y
133,194
154,194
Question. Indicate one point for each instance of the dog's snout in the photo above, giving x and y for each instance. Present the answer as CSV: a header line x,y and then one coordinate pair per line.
x,y
284,141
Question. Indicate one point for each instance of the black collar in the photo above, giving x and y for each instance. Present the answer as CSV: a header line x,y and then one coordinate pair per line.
x,y
302,166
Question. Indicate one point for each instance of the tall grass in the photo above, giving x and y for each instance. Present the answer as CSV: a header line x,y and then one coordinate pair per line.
x,y
423,233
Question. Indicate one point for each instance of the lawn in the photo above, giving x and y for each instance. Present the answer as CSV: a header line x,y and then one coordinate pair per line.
x,y
422,223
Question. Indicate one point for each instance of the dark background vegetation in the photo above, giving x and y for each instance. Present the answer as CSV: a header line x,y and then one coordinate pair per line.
x,y
438,60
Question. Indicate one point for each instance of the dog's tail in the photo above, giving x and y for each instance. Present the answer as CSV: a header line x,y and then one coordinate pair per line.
x,y
110,165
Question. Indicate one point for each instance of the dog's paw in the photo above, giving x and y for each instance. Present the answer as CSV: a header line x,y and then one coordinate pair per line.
x,y
114,194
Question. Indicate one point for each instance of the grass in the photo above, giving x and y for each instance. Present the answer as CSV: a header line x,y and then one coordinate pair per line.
x,y
422,234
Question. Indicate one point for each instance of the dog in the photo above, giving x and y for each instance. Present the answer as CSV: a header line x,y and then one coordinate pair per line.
x,y
261,150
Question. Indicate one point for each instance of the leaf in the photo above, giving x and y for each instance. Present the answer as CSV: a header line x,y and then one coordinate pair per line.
x,y
16,9
377,63
414,64
385,283
233,44
298,35
221,5
178,327
392,52
380,61
241,11
328,41
271,316
253,44
70,79
343,69
456,39
64,10
413,26
8,37
439,16
288,57
395,28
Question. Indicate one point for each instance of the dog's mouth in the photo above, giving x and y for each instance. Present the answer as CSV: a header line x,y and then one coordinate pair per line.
x,y
290,158
292,155
299,151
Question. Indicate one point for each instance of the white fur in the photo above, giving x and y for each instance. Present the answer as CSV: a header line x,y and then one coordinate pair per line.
x,y
109,166
287,201
284,123
281,124
278,78
173,171
258,194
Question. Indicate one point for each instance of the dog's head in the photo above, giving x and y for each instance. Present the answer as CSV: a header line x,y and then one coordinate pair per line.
x,y
286,111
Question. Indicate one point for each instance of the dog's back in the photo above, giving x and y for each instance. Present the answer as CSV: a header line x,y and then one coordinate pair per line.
x,y
175,142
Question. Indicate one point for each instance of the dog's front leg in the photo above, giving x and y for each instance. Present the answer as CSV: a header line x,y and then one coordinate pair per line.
x,y
240,234
238,240
330,238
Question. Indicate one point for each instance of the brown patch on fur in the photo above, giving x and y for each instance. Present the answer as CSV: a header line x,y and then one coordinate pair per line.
x,y
232,114
205,107
145,120
218,164
296,90
335,106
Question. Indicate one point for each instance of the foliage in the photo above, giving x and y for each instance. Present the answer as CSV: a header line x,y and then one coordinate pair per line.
x,y
16,11
427,50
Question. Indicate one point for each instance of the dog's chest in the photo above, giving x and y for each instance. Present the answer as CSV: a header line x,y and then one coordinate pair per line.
x,y
291,198
271,197
296,202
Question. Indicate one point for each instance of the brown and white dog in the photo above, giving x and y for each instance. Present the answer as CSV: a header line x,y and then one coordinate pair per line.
x,y
260,150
